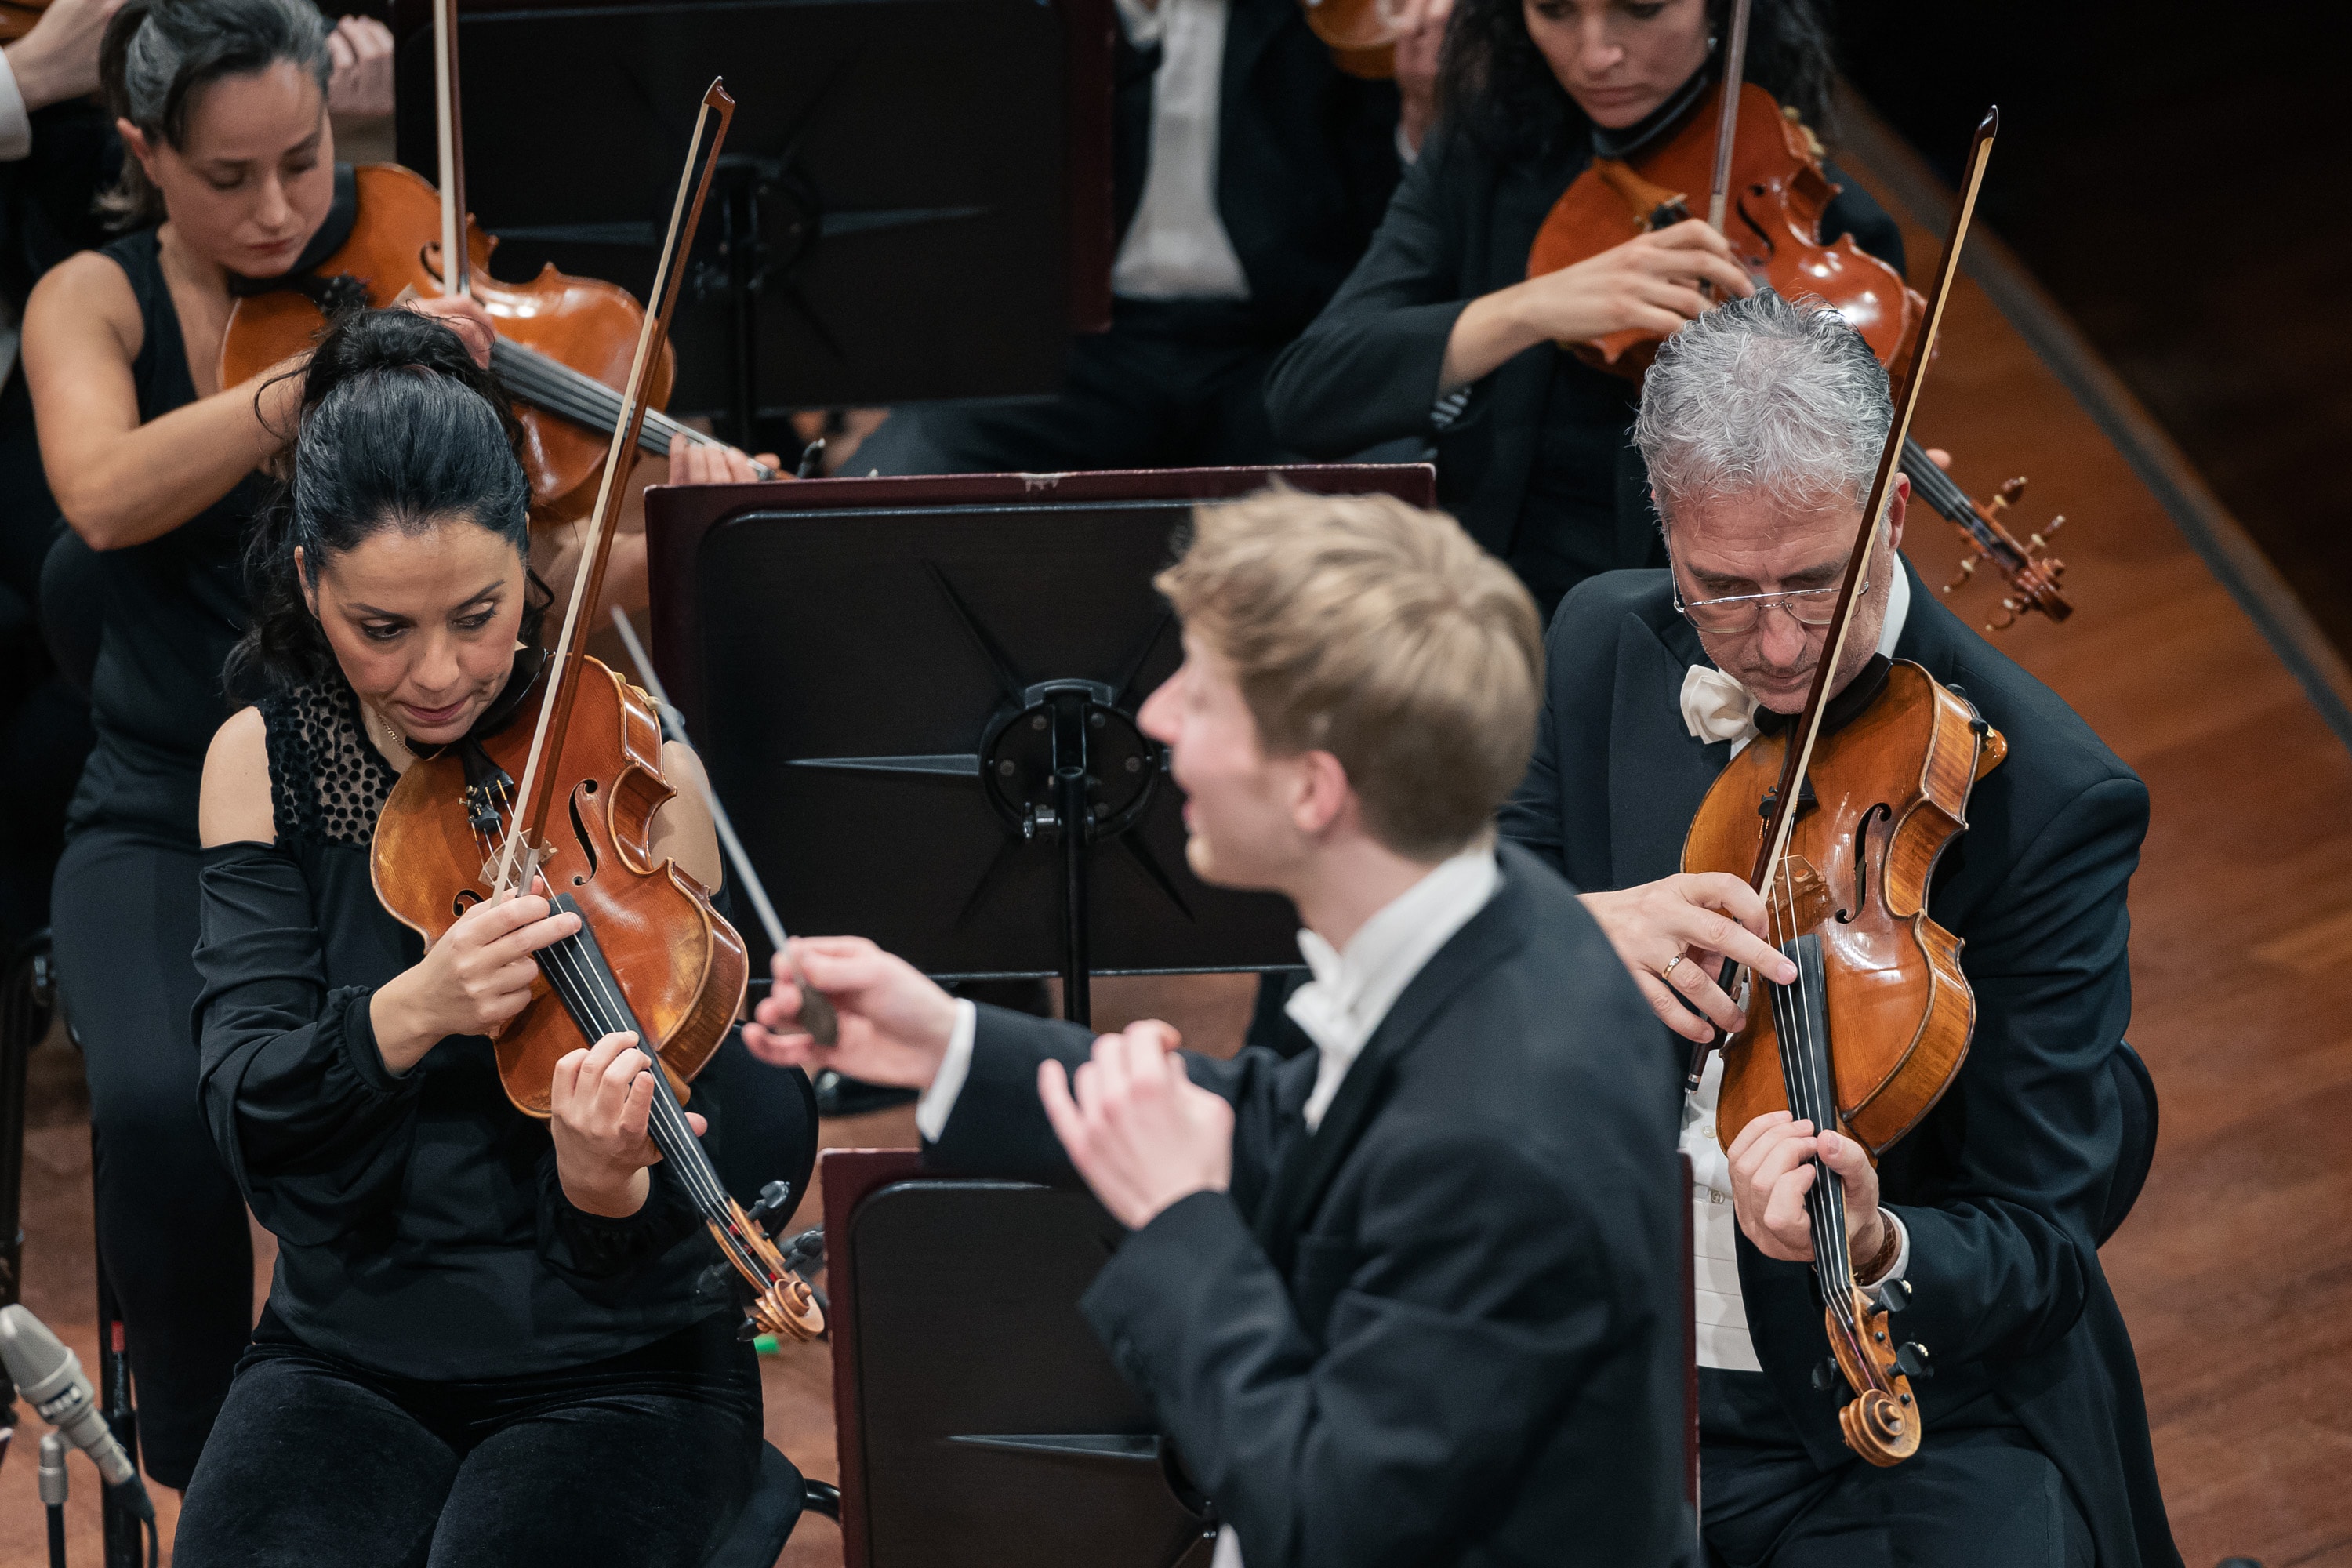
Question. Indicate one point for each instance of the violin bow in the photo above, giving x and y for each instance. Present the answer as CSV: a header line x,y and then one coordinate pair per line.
x,y
457,266
1857,567
816,1013
1727,128
519,856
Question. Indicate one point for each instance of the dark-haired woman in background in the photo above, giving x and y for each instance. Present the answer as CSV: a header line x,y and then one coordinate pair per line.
x,y
221,105
1440,333
485,1342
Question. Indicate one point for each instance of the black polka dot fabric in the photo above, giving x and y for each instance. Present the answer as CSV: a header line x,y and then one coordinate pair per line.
x,y
327,780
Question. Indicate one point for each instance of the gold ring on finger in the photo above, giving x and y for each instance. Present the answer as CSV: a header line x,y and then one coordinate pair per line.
x,y
1667,974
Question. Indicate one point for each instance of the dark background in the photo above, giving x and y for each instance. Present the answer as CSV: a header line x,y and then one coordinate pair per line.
x,y
2175,174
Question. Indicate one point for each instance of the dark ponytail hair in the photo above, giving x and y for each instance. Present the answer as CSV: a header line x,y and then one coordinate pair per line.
x,y
399,430
158,54
1494,86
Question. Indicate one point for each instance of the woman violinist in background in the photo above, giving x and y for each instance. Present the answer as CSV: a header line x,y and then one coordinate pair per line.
x,y
476,1315
1440,332
222,108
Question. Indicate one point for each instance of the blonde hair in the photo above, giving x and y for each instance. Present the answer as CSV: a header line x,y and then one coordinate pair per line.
x,y
1379,632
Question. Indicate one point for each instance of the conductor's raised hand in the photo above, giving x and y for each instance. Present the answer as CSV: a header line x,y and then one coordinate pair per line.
x,y
1673,936
895,1023
599,1104
1140,1131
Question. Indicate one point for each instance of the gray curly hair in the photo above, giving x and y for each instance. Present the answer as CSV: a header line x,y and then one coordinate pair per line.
x,y
1761,395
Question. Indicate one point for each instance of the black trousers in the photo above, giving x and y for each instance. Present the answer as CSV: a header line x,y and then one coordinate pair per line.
x,y
1972,1497
171,1223
640,1461
1173,383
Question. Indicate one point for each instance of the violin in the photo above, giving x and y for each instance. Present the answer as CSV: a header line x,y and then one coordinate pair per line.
x,y
1360,34
563,344
2029,571
18,17
652,956
1767,193
1839,828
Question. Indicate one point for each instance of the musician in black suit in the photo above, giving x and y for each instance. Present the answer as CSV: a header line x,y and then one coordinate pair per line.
x,y
1412,1297
1761,423
1440,335
1248,172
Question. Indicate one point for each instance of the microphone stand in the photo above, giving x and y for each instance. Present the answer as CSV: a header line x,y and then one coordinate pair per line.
x,y
53,1494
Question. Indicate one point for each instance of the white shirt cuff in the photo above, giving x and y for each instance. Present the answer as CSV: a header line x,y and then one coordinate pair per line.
x,y
1144,26
16,123
938,1103
1887,1290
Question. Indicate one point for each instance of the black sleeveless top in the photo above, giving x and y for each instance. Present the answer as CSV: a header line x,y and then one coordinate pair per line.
x,y
173,608
421,1228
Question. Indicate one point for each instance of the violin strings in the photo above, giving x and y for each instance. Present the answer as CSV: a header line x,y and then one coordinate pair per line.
x,y
1792,1014
552,384
598,999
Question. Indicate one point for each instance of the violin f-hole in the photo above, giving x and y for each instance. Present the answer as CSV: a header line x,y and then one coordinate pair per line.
x,y
587,845
1862,861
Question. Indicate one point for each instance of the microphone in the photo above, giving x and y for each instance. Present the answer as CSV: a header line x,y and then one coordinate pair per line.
x,y
50,1378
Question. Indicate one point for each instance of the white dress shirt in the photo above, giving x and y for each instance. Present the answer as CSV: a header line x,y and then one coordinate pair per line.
x,y
16,121
1340,1009
1716,708
1177,246
16,141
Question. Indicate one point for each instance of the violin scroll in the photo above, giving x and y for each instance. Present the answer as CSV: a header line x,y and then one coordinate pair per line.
x,y
1881,1422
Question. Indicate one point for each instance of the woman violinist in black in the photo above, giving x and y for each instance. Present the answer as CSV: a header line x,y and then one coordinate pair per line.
x,y
229,168
1440,333
485,1342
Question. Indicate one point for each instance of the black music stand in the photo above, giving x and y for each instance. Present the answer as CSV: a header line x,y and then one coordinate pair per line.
x,y
983,1425
918,697
914,202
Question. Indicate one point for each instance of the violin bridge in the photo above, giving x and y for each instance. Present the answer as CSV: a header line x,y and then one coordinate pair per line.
x,y
533,858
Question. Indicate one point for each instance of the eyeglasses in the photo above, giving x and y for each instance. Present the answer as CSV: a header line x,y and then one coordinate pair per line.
x,y
1741,612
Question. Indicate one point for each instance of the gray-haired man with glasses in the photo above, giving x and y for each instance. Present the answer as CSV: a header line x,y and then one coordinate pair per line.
x,y
1761,423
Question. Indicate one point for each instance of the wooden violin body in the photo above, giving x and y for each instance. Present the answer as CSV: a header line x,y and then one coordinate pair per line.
x,y
1360,34
582,324
18,17
680,967
1892,790
1777,197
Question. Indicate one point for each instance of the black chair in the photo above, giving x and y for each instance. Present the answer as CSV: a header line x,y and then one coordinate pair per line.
x,y
2136,1092
758,1536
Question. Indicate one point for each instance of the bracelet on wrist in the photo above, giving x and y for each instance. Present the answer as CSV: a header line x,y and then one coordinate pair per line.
x,y
1890,1241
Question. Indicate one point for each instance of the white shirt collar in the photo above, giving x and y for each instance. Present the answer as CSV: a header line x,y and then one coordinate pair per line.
x,y
1354,990
1718,707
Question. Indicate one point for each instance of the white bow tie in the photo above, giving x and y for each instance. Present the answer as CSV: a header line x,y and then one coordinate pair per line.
x,y
1716,707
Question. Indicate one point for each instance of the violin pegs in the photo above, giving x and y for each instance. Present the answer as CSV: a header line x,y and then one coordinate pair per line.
x,y
1912,1357
1967,570
775,1199
1826,1375
2011,492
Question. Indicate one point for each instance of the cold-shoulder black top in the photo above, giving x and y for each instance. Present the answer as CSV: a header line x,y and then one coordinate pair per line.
x,y
421,1226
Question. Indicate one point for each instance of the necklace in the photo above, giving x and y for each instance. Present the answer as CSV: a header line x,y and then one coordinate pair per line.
x,y
390,733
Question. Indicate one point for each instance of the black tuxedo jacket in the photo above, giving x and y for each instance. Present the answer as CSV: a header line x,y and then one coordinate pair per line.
x,y
1447,1326
1366,372
2003,1185
1306,157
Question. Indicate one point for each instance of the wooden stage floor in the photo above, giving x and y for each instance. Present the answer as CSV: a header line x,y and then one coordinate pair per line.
x,y
2233,1272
